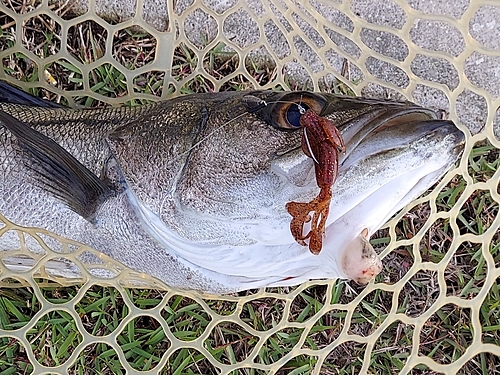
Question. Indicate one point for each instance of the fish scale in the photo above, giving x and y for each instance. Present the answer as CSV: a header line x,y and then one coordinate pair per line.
x,y
199,183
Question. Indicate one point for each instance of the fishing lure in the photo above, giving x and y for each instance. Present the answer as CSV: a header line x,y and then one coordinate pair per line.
x,y
322,142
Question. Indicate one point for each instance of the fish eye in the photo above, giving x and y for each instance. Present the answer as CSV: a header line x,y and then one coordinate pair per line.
x,y
293,113
283,111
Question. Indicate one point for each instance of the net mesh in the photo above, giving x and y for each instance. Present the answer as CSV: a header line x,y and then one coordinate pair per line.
x,y
434,306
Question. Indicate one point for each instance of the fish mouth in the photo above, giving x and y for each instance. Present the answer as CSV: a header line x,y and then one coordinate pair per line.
x,y
380,130
383,138
428,156
424,150
394,165
392,157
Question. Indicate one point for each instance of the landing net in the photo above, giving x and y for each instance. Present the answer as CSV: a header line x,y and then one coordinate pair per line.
x,y
433,309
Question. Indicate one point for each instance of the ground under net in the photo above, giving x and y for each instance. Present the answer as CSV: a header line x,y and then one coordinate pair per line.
x,y
433,308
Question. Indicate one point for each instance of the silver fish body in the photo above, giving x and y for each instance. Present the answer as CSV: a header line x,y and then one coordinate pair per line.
x,y
193,190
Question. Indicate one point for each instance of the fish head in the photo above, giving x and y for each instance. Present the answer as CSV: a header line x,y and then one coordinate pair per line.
x,y
395,151
211,183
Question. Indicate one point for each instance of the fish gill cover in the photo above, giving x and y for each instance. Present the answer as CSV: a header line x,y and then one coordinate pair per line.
x,y
432,309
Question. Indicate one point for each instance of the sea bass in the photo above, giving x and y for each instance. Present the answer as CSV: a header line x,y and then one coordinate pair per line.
x,y
193,190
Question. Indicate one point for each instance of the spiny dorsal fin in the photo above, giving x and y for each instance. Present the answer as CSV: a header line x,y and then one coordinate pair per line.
x,y
13,95
57,171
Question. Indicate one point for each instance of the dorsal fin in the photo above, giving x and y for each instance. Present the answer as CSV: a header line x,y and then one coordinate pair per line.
x,y
13,95
57,171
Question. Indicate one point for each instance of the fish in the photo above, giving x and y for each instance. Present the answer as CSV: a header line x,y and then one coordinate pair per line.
x,y
193,190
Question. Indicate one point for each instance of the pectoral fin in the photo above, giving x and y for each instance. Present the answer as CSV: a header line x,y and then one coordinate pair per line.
x,y
57,171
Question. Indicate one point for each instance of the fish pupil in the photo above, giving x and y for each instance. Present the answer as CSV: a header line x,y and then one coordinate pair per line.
x,y
294,112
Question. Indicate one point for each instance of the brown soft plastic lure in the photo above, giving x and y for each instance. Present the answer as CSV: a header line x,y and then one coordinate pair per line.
x,y
322,142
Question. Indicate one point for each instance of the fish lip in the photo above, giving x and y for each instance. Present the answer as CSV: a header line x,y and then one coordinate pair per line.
x,y
448,128
450,141
336,103
459,147
396,115
416,129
